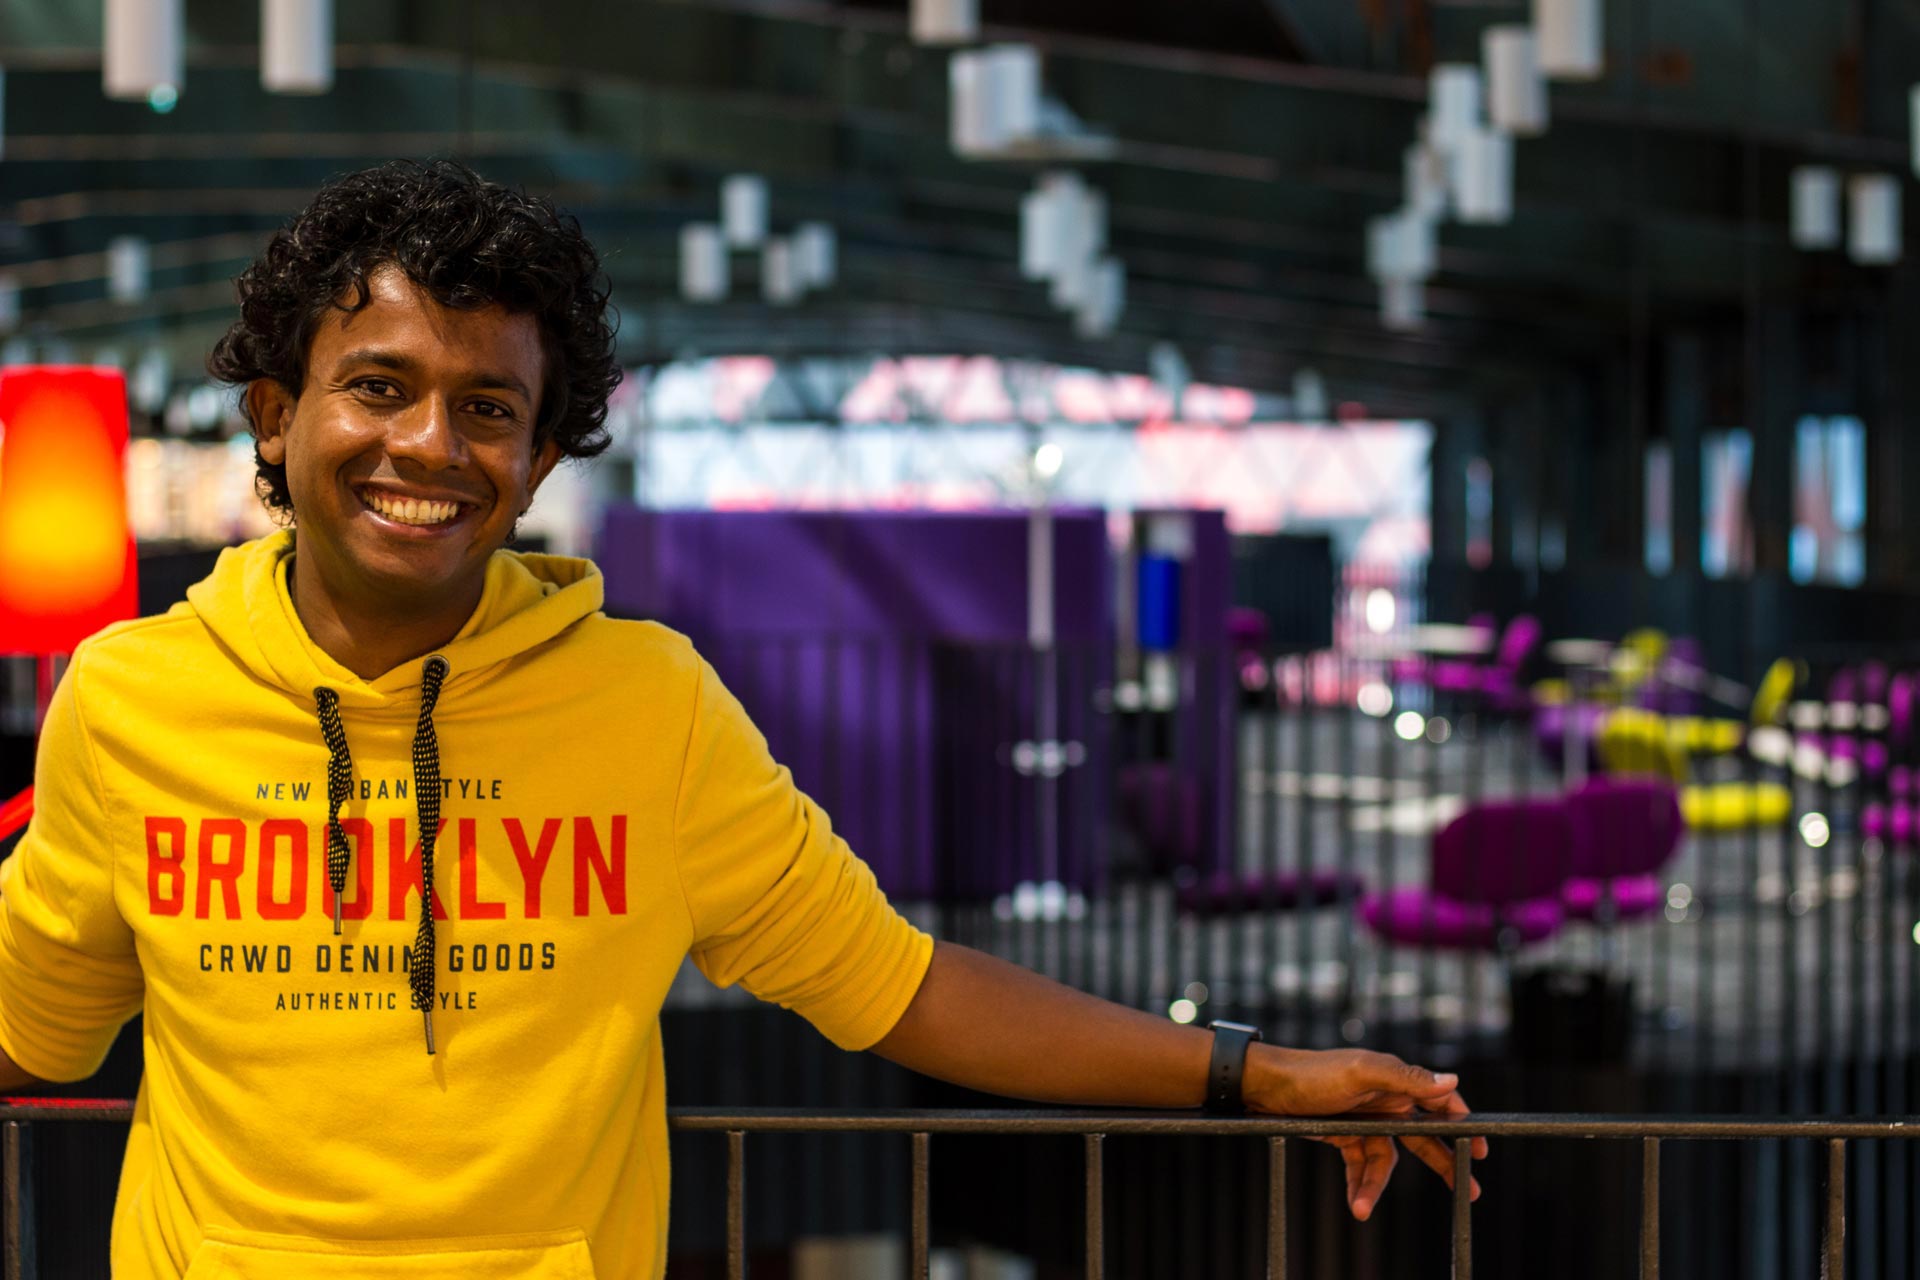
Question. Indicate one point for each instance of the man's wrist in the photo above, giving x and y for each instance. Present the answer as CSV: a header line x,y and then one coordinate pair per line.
x,y
1266,1080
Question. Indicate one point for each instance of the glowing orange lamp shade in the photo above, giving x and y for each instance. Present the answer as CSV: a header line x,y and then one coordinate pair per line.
x,y
66,552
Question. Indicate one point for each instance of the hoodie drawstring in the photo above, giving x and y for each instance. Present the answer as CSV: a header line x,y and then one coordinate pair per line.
x,y
426,798
339,787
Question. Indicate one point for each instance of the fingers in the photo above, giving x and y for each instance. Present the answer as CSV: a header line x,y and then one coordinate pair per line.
x,y
1384,1072
1438,1156
1453,1106
1369,1165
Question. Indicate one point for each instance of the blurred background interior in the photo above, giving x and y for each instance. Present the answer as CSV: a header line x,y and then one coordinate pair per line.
x,y
1387,519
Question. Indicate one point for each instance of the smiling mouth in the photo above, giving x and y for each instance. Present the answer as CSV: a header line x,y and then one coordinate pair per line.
x,y
411,511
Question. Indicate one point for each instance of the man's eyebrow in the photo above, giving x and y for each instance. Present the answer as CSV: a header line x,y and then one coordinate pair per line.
x,y
400,363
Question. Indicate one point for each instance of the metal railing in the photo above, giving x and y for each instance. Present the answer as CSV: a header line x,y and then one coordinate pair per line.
x,y
1093,1127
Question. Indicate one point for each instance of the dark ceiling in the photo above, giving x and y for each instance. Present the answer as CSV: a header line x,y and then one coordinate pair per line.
x,y
1256,137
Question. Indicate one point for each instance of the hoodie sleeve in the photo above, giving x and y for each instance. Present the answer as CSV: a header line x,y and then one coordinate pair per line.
x,y
780,904
68,973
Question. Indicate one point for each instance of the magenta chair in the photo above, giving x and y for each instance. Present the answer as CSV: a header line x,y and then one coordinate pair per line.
x,y
1494,881
1624,831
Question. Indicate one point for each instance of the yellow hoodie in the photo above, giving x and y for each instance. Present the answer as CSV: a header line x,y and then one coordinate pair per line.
x,y
605,808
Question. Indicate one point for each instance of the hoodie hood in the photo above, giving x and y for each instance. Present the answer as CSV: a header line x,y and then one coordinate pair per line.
x,y
528,599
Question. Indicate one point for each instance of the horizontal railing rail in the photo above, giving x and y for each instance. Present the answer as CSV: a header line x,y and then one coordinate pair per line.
x,y
16,1114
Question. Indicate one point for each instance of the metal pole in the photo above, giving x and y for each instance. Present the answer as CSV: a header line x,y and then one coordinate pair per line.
x,y
920,1144
736,1205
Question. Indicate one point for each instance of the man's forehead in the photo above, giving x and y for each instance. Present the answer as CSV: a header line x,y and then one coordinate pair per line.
x,y
403,324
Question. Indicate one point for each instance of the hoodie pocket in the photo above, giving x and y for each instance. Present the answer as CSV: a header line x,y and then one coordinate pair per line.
x,y
230,1254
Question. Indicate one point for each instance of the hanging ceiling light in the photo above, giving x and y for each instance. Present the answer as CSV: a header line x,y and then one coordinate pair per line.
x,y
296,46
1401,246
1454,103
743,210
1572,38
142,59
703,262
1913,113
1482,174
1047,215
1516,90
128,269
1309,396
1403,304
779,273
1816,207
1099,313
995,98
946,21
1426,180
816,251
1873,232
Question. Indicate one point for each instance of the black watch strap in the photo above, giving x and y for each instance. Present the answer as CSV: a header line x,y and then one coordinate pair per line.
x,y
1229,1063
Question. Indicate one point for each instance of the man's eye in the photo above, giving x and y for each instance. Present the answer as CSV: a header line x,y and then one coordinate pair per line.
x,y
378,387
490,409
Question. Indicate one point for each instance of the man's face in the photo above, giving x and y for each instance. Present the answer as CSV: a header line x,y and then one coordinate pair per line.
x,y
409,452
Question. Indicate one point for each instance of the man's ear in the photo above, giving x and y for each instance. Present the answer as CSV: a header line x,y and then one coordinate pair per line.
x,y
270,409
544,460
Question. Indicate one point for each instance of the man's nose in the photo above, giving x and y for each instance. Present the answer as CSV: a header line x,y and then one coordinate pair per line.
x,y
426,433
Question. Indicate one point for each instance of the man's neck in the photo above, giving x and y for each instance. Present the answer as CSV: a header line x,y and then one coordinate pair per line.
x,y
372,638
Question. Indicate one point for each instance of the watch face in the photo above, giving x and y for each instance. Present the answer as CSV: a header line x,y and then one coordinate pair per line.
x,y
1234,1026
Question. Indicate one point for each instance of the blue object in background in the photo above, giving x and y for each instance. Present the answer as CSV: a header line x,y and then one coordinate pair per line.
x,y
1157,604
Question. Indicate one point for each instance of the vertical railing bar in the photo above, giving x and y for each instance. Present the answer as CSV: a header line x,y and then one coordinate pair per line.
x,y
1276,1209
1834,1264
16,1227
736,1205
1096,1205
920,1142
1650,1209
1462,1209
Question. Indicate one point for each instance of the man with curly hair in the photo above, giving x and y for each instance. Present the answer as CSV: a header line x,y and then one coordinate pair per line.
x,y
398,841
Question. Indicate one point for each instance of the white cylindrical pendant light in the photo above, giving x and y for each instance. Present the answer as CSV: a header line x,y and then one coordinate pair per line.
x,y
1483,177
128,274
1403,304
743,210
1516,91
296,46
1043,228
946,21
1426,180
779,273
703,262
1572,38
969,110
1816,207
1873,230
1913,123
143,53
1309,396
1401,246
1454,103
1099,311
1013,86
816,252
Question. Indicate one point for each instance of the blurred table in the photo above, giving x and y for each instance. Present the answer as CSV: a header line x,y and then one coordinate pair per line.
x,y
1580,653
1431,639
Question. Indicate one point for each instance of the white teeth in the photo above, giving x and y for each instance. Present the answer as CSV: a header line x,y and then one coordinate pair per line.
x,y
411,510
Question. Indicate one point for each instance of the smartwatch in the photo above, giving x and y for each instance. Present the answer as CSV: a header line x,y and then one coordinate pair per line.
x,y
1229,1062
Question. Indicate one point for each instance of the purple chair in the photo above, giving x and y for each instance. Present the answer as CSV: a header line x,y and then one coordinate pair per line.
x,y
1624,831
1555,724
1494,881
1496,683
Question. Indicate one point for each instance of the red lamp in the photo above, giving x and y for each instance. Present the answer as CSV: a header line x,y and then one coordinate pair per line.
x,y
67,564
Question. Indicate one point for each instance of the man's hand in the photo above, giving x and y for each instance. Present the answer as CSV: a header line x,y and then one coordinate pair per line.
x,y
1300,1082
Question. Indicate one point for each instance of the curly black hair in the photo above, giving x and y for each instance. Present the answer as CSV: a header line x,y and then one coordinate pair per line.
x,y
469,243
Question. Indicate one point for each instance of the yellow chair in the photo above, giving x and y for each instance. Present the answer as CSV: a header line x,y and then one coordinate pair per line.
x,y
1635,741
